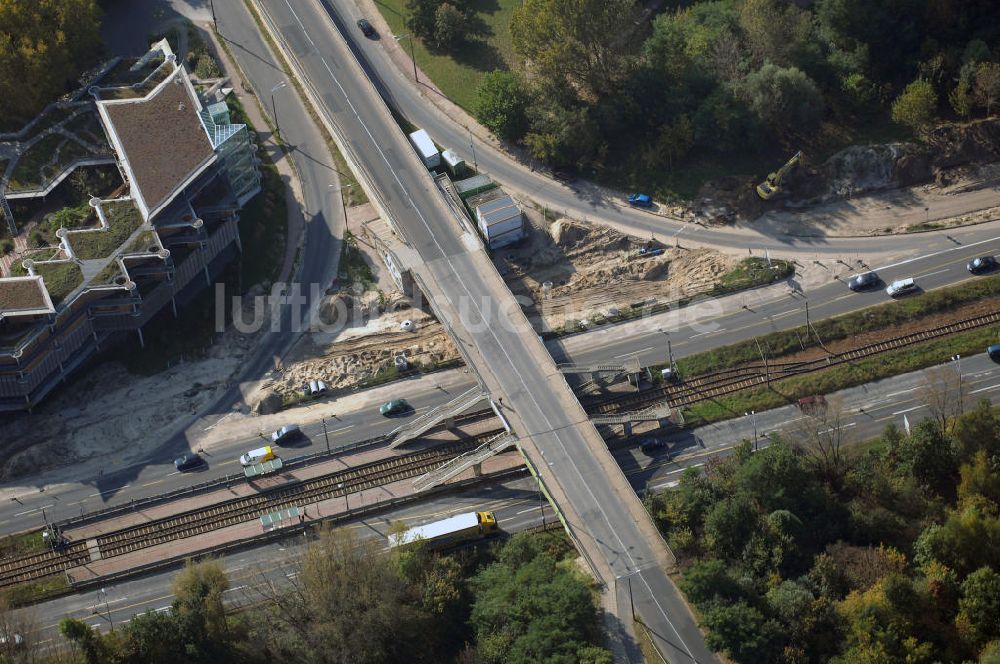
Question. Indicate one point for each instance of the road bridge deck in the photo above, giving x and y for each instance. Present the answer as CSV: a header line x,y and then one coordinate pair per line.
x,y
602,511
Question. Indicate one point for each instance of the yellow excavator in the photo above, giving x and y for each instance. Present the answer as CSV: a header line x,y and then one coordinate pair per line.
x,y
771,187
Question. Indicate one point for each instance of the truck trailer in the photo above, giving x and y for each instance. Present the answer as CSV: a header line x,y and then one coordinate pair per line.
x,y
447,532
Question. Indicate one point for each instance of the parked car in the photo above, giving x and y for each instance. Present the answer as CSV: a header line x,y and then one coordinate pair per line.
x,y
982,264
994,352
367,28
286,433
863,281
901,287
259,455
650,445
188,461
640,200
394,407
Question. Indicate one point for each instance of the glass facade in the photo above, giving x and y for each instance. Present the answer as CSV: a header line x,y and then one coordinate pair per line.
x,y
232,144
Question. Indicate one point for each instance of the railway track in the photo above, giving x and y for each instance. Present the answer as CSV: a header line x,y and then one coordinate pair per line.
x,y
20,569
729,381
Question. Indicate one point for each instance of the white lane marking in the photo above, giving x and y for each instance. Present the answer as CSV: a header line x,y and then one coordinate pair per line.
x,y
786,313
634,352
701,334
985,389
931,274
351,426
530,509
908,410
935,253
846,426
37,509
896,394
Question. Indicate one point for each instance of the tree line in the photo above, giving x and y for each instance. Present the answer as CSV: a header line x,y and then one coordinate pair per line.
x,y
600,87
801,553
521,602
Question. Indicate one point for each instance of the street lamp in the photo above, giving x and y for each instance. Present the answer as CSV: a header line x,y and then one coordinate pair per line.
x,y
107,610
957,359
753,418
214,23
413,57
274,111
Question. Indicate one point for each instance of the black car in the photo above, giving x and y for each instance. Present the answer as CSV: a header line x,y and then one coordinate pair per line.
x,y
188,461
650,445
982,264
367,28
863,281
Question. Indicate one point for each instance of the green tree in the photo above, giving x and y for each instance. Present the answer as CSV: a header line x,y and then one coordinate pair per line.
x,y
987,86
43,45
198,590
423,17
708,581
85,638
564,136
742,632
774,30
977,429
960,99
979,608
967,540
589,43
930,457
785,99
730,524
916,107
451,27
501,102
979,478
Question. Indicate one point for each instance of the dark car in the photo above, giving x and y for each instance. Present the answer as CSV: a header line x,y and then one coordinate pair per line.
x,y
863,281
564,176
188,461
394,407
650,445
994,352
286,433
367,28
982,264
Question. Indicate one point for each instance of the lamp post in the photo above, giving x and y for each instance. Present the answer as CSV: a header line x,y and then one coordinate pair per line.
x,y
326,436
215,24
475,164
413,57
274,110
753,418
107,610
957,359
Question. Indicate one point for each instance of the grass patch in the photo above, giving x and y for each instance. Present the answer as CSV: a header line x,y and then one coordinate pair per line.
x,y
354,269
123,220
752,272
871,319
107,274
884,365
458,72
355,195
61,278
27,171
35,591
15,545
142,243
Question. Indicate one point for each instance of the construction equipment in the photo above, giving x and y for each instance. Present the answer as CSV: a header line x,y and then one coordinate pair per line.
x,y
771,187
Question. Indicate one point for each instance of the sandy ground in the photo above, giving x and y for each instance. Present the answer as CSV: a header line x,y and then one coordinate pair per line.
x,y
572,271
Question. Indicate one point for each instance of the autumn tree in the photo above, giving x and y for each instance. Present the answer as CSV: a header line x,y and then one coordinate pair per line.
x,y
987,86
979,608
916,107
774,30
44,45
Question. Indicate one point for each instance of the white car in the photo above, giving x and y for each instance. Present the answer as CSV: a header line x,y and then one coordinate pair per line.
x,y
901,287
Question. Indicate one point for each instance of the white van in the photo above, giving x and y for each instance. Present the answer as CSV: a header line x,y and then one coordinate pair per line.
x,y
259,455
901,287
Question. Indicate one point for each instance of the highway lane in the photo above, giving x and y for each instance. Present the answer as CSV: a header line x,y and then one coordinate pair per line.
x,y
585,201
866,410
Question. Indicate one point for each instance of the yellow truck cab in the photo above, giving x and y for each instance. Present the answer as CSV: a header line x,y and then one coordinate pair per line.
x,y
259,455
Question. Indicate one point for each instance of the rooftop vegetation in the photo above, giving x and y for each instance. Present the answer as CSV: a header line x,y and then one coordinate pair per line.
x,y
61,278
123,220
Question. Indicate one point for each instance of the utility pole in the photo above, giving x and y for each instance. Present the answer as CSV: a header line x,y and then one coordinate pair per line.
x,y
631,602
326,435
413,56
957,359
767,372
475,163
274,110
753,418
215,23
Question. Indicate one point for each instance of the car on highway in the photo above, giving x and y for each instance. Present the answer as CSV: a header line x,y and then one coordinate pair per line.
x,y
564,176
366,28
863,281
188,461
994,352
394,407
640,200
901,287
982,264
286,433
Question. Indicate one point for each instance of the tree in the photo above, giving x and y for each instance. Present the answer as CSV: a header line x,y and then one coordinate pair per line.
x,y
563,136
930,457
423,17
943,392
85,638
501,102
774,30
741,631
978,429
570,43
784,99
674,142
708,581
960,99
43,45
450,27
916,107
987,86
967,540
979,478
979,608
730,524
